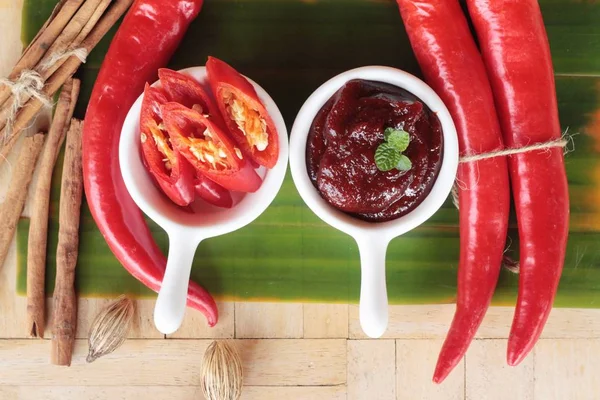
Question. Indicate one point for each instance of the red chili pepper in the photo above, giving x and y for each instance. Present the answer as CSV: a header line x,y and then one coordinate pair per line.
x,y
209,149
145,41
212,192
172,172
453,67
517,56
245,115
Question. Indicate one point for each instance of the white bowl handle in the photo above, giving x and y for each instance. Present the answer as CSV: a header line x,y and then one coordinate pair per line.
x,y
373,307
172,297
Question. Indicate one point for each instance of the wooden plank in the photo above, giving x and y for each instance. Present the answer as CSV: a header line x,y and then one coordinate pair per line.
x,y
432,322
166,392
313,362
101,392
294,393
490,378
415,362
567,369
562,323
268,320
420,322
88,308
13,309
325,320
371,369
194,325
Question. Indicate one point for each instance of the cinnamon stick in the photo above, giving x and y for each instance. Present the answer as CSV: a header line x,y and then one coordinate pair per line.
x,y
69,39
73,34
28,112
38,225
65,301
11,208
60,17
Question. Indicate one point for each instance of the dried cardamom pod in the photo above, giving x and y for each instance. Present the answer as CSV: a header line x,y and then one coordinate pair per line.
x,y
110,328
222,375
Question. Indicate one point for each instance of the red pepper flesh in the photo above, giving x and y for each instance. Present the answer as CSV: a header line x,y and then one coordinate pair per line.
x,y
212,192
453,67
235,95
175,179
515,48
221,164
145,41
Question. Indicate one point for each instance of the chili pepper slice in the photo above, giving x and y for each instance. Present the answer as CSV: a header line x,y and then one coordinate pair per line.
x,y
143,43
453,67
212,192
185,90
525,94
243,112
209,149
170,171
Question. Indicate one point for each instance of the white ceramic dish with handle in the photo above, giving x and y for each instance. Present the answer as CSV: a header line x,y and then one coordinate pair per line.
x,y
373,238
186,230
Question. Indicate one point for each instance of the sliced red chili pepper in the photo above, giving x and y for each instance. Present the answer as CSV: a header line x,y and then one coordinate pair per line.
x,y
245,115
209,149
212,192
170,171
185,90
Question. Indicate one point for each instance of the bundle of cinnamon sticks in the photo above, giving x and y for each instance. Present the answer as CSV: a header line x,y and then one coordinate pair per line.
x,y
74,28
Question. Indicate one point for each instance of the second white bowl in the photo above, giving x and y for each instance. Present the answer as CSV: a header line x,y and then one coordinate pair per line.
x,y
373,238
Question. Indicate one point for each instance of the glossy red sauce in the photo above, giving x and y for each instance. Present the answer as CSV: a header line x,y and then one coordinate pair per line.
x,y
342,143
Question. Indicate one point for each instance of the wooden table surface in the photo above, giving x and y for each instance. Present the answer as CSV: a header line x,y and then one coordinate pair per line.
x,y
291,351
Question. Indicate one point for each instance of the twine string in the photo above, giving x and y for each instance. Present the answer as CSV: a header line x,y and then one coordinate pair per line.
x,y
81,53
30,84
508,263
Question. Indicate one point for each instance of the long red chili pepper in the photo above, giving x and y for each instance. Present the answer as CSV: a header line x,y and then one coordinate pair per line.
x,y
452,65
517,56
147,38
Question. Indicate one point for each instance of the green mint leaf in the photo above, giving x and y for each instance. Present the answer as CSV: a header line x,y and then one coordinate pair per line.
x,y
386,157
387,132
399,139
404,163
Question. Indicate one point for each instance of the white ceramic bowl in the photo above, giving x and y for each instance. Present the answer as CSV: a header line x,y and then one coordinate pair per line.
x,y
373,238
186,230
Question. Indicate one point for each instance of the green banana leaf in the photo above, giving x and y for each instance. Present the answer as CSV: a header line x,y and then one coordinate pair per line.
x,y
291,47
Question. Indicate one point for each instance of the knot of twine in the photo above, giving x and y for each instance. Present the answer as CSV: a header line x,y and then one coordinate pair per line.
x,y
81,53
507,262
30,84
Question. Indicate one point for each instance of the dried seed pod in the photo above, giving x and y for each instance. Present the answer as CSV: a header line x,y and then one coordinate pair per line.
x,y
110,328
222,375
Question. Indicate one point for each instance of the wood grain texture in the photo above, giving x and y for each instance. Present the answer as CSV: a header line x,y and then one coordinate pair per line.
x,y
567,369
194,324
489,377
432,322
268,320
325,321
166,392
371,369
415,362
175,362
